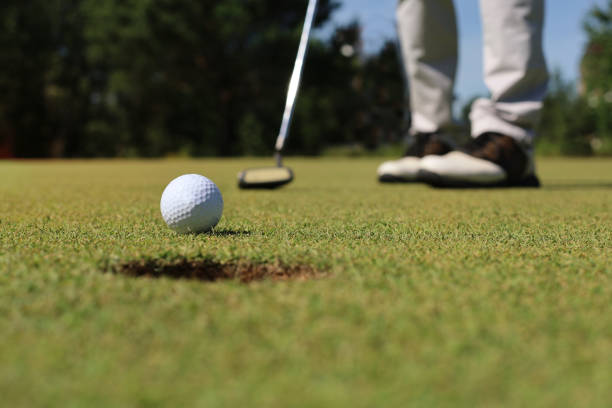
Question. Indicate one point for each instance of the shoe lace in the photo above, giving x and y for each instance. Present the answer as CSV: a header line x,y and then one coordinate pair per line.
x,y
418,145
477,144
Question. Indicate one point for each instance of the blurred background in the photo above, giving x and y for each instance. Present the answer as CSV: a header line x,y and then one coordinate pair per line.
x,y
159,78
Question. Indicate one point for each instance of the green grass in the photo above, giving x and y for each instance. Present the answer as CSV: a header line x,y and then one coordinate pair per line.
x,y
432,297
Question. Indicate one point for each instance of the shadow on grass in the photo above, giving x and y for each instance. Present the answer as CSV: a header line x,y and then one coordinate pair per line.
x,y
545,186
576,186
229,233
211,271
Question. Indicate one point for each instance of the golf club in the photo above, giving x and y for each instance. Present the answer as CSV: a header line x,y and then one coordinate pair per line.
x,y
279,175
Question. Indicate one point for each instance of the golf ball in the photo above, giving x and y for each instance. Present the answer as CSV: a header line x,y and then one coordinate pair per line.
x,y
191,203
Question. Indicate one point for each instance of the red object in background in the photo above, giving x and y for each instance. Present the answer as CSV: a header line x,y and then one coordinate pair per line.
x,y
6,146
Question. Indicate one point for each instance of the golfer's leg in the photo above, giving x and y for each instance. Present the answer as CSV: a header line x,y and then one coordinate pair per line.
x,y
428,36
515,69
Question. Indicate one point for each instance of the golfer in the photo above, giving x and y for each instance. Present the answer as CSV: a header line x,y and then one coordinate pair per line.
x,y
501,150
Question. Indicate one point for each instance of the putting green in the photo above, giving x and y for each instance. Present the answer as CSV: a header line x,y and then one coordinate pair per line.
x,y
426,298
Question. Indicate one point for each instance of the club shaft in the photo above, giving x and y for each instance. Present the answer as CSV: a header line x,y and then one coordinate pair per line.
x,y
296,77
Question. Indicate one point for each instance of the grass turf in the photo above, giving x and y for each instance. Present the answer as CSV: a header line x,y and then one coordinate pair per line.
x,y
431,297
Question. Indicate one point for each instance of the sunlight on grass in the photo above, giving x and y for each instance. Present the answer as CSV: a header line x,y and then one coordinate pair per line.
x,y
430,297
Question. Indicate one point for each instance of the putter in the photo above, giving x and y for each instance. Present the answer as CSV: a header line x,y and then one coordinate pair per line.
x,y
279,175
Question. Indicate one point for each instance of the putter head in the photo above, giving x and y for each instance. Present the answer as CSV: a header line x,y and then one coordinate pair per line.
x,y
265,177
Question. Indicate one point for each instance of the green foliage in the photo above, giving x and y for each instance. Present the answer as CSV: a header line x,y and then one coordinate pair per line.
x,y
568,124
580,123
251,136
40,75
597,62
84,78
157,77
596,86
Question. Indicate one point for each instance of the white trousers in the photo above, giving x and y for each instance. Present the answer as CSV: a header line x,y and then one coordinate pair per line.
x,y
514,65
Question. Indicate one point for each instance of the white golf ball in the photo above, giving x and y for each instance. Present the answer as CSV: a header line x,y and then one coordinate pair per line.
x,y
191,204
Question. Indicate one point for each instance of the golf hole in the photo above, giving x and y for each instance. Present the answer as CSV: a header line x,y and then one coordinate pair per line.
x,y
210,271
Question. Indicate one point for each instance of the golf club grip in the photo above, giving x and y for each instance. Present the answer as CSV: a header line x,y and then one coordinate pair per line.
x,y
296,77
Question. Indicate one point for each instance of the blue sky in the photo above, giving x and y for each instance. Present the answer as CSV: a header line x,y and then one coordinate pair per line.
x,y
564,39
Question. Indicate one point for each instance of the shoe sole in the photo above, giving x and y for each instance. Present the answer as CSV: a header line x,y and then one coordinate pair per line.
x,y
435,180
386,178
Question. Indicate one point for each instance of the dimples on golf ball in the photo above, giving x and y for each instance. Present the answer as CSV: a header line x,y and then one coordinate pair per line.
x,y
191,203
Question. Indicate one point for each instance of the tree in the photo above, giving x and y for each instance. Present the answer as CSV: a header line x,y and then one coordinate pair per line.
x,y
146,77
567,123
28,50
82,78
596,86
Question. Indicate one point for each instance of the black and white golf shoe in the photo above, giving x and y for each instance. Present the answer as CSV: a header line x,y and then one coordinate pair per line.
x,y
490,160
406,169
